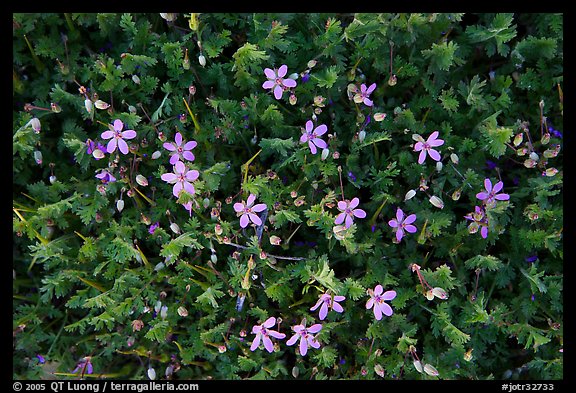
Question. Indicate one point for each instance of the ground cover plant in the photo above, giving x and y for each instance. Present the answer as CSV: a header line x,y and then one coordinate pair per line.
x,y
287,196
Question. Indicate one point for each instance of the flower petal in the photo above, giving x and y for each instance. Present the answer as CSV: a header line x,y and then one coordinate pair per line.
x,y
189,188
368,102
292,339
354,202
432,136
278,92
304,138
251,199
371,88
238,207
174,158
321,129
378,290
177,189
255,343
320,143
309,126
244,220
315,328
370,303
276,334
410,228
169,146
377,311
434,154
386,309
169,177
399,215
188,155
268,344
289,82
270,74
393,223
259,207
389,295
482,195
418,146
436,142
129,134
342,205
268,84
497,187
255,219
178,139
107,134
399,234
337,307
410,219
282,70
312,147
190,145
488,185
502,197
359,213
323,312
179,167
349,221
303,347
318,303
118,125
422,157
340,218
111,146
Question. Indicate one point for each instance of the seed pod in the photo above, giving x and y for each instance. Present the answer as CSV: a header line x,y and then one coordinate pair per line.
x,y
409,195
120,205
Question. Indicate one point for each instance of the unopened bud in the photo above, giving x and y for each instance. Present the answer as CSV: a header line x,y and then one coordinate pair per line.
x,y
454,158
437,202
55,107
151,373
175,228
202,60
325,153
529,163
275,240
141,180
120,205
52,179
182,311
98,154
545,138
89,105
38,157
101,104
534,156
409,195
430,370
456,194
378,369
156,155
136,79
311,63
214,258
418,366
293,99
518,139
392,80
362,136
35,123
440,293
218,229
439,166
550,172
132,109
379,116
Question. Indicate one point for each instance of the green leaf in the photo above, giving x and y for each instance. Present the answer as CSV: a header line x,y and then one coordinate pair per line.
x,y
483,262
441,55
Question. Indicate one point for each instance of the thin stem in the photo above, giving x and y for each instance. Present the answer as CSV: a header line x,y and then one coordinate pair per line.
x,y
341,185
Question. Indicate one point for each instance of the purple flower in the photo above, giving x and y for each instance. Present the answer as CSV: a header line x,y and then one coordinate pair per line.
x,y
97,150
246,211
401,224
306,336
328,301
479,221
490,196
106,177
181,149
181,178
41,359
84,365
262,332
364,93
312,137
117,137
426,147
349,211
153,228
377,299
276,81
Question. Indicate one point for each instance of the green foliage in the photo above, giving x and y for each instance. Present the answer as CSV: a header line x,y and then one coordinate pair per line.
x,y
125,272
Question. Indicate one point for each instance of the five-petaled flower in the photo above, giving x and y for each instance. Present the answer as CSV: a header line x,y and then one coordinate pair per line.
x,y
364,93
306,336
328,301
426,146
490,196
401,224
117,137
377,299
277,82
180,149
349,211
262,332
311,135
182,179
246,211
479,221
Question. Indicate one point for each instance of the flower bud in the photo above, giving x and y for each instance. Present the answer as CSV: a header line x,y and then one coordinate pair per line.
x,y
379,116
89,105
193,22
35,123
98,154
440,293
175,228
38,157
169,16
311,63
52,179
518,139
182,311
101,104
164,312
159,266
418,366
275,240
550,172
529,163
141,180
534,156
454,158
409,195
378,369
429,294
151,373
136,79
439,166
392,80
325,153
292,99
430,370
156,155
202,60
545,138
456,194
218,229
362,136
132,109
55,107
120,205
437,202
